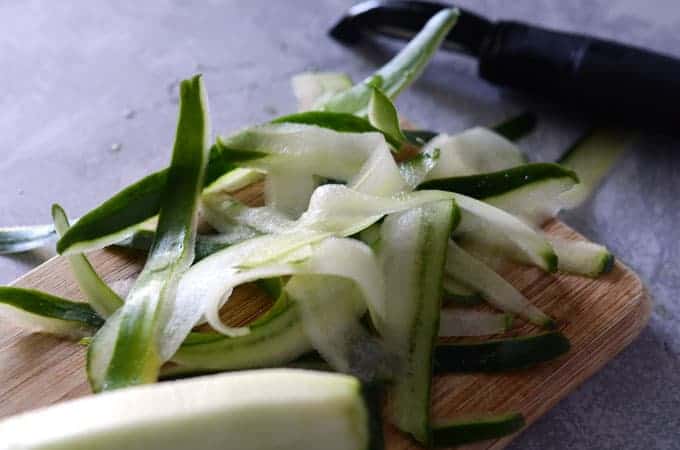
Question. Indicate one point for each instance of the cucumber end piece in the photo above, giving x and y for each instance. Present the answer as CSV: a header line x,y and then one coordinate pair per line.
x,y
548,323
550,259
607,265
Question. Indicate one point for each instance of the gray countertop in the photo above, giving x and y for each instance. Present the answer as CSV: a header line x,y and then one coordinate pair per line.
x,y
89,103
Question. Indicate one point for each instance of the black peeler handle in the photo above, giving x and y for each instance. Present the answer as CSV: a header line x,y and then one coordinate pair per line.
x,y
612,81
607,78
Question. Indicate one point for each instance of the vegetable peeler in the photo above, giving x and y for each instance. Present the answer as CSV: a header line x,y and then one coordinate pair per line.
x,y
611,81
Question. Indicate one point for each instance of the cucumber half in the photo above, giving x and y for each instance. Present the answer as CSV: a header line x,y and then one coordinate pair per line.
x,y
251,410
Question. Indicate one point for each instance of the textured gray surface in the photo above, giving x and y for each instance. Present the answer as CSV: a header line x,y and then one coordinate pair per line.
x,y
89,101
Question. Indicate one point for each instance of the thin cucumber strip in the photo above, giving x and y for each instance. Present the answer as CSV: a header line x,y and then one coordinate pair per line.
x,y
500,354
330,310
494,184
206,244
314,88
582,258
363,160
383,115
152,324
471,272
44,313
25,238
279,340
401,71
476,150
452,433
531,191
333,208
117,218
98,294
413,269
209,282
503,231
234,180
591,157
342,122
255,410
464,322
460,294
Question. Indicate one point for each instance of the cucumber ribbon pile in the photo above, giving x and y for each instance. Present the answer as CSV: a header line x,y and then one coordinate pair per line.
x,y
373,241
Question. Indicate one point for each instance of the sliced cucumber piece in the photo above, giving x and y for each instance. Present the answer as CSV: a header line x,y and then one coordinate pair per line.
x,y
25,238
98,294
343,122
504,232
383,115
401,71
331,308
591,157
315,88
277,341
465,431
476,150
469,271
256,410
413,270
44,313
500,354
459,293
464,322
582,258
151,325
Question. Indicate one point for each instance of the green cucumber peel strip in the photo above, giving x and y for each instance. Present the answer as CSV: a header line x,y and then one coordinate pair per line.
x,y
469,271
131,347
591,157
208,412
383,115
24,238
98,294
337,121
413,269
401,71
461,322
485,185
42,312
450,433
500,354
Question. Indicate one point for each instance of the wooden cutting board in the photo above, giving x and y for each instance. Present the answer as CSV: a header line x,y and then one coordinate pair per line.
x,y
600,317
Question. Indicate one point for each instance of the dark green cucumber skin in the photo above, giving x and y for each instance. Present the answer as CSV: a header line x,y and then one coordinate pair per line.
x,y
461,432
42,304
206,244
496,183
342,122
501,354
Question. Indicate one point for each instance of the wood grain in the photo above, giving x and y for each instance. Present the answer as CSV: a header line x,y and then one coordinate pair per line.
x,y
600,317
